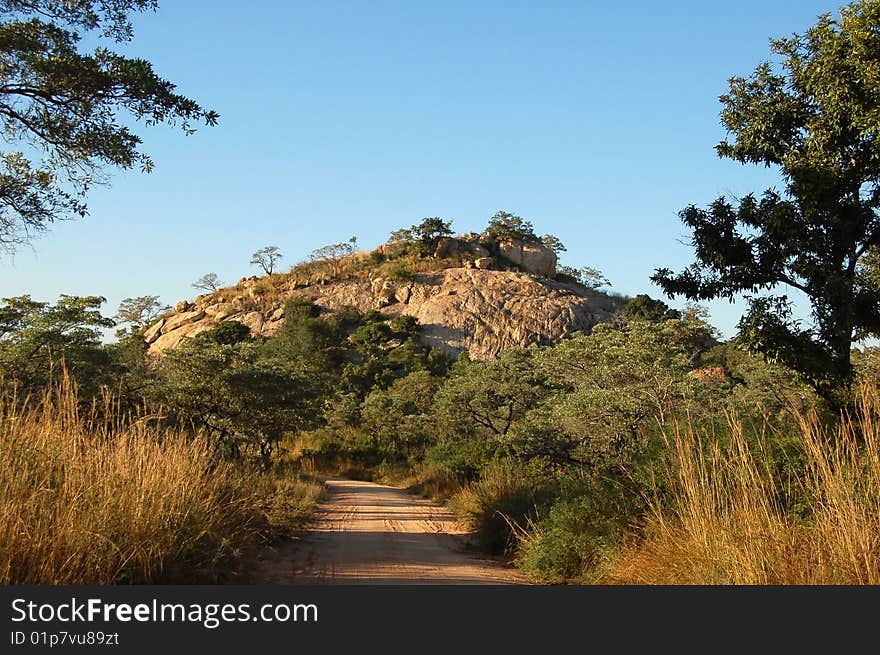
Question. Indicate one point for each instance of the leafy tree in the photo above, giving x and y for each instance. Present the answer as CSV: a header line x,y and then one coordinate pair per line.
x,y
209,282
266,258
397,416
334,253
816,119
486,398
553,243
615,384
37,339
66,112
140,311
504,225
243,400
429,232
306,343
586,276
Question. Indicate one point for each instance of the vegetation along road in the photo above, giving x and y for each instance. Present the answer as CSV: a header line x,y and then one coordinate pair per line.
x,y
367,533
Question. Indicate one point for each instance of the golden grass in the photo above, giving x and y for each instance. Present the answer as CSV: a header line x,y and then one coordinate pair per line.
x,y
724,523
90,501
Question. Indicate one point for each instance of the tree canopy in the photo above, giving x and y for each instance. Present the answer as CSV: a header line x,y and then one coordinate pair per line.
x,y
816,118
65,112
266,258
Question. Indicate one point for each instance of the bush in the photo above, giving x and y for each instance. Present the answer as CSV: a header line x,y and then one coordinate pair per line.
x,y
582,530
569,541
505,499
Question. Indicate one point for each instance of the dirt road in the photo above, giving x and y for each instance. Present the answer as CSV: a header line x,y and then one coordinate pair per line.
x,y
367,533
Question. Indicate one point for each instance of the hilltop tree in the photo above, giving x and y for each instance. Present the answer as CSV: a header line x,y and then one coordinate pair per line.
x,y
553,243
334,253
65,112
586,276
140,311
266,258
429,232
815,119
504,225
209,282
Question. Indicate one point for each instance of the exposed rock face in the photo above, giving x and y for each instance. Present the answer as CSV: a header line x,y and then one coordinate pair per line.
x,y
480,311
531,257
445,248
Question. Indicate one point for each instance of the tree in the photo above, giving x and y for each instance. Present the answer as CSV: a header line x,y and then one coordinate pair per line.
x,y
266,258
504,225
614,384
243,400
66,113
486,399
553,243
140,311
37,338
429,232
816,119
333,254
645,308
586,276
209,281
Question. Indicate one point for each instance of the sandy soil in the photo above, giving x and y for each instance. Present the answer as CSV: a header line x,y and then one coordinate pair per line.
x,y
367,533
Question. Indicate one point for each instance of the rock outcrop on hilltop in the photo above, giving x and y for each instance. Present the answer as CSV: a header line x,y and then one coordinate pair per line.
x,y
482,293
461,308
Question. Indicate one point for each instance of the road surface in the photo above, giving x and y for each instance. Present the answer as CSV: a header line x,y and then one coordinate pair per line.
x,y
367,533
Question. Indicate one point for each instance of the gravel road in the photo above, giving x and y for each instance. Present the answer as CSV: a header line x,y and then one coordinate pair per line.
x,y
367,533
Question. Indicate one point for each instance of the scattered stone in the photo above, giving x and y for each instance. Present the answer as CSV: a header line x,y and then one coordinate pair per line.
x,y
483,263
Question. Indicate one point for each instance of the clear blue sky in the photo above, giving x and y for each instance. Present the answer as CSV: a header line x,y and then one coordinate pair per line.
x,y
596,121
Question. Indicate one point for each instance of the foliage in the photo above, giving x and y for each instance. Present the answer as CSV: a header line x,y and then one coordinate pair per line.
x,y
66,112
587,276
140,312
553,243
37,338
333,254
422,239
504,225
722,521
618,384
643,307
484,400
816,120
227,333
502,502
243,402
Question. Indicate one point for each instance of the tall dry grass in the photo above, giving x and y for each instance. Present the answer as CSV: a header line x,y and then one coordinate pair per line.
x,y
86,499
725,524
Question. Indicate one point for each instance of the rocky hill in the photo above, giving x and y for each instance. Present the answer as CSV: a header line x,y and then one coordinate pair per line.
x,y
461,305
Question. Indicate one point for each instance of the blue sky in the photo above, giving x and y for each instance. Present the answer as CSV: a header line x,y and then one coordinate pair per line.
x,y
596,121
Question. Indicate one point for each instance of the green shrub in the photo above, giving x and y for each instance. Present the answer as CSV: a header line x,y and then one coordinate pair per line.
x,y
571,540
507,498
